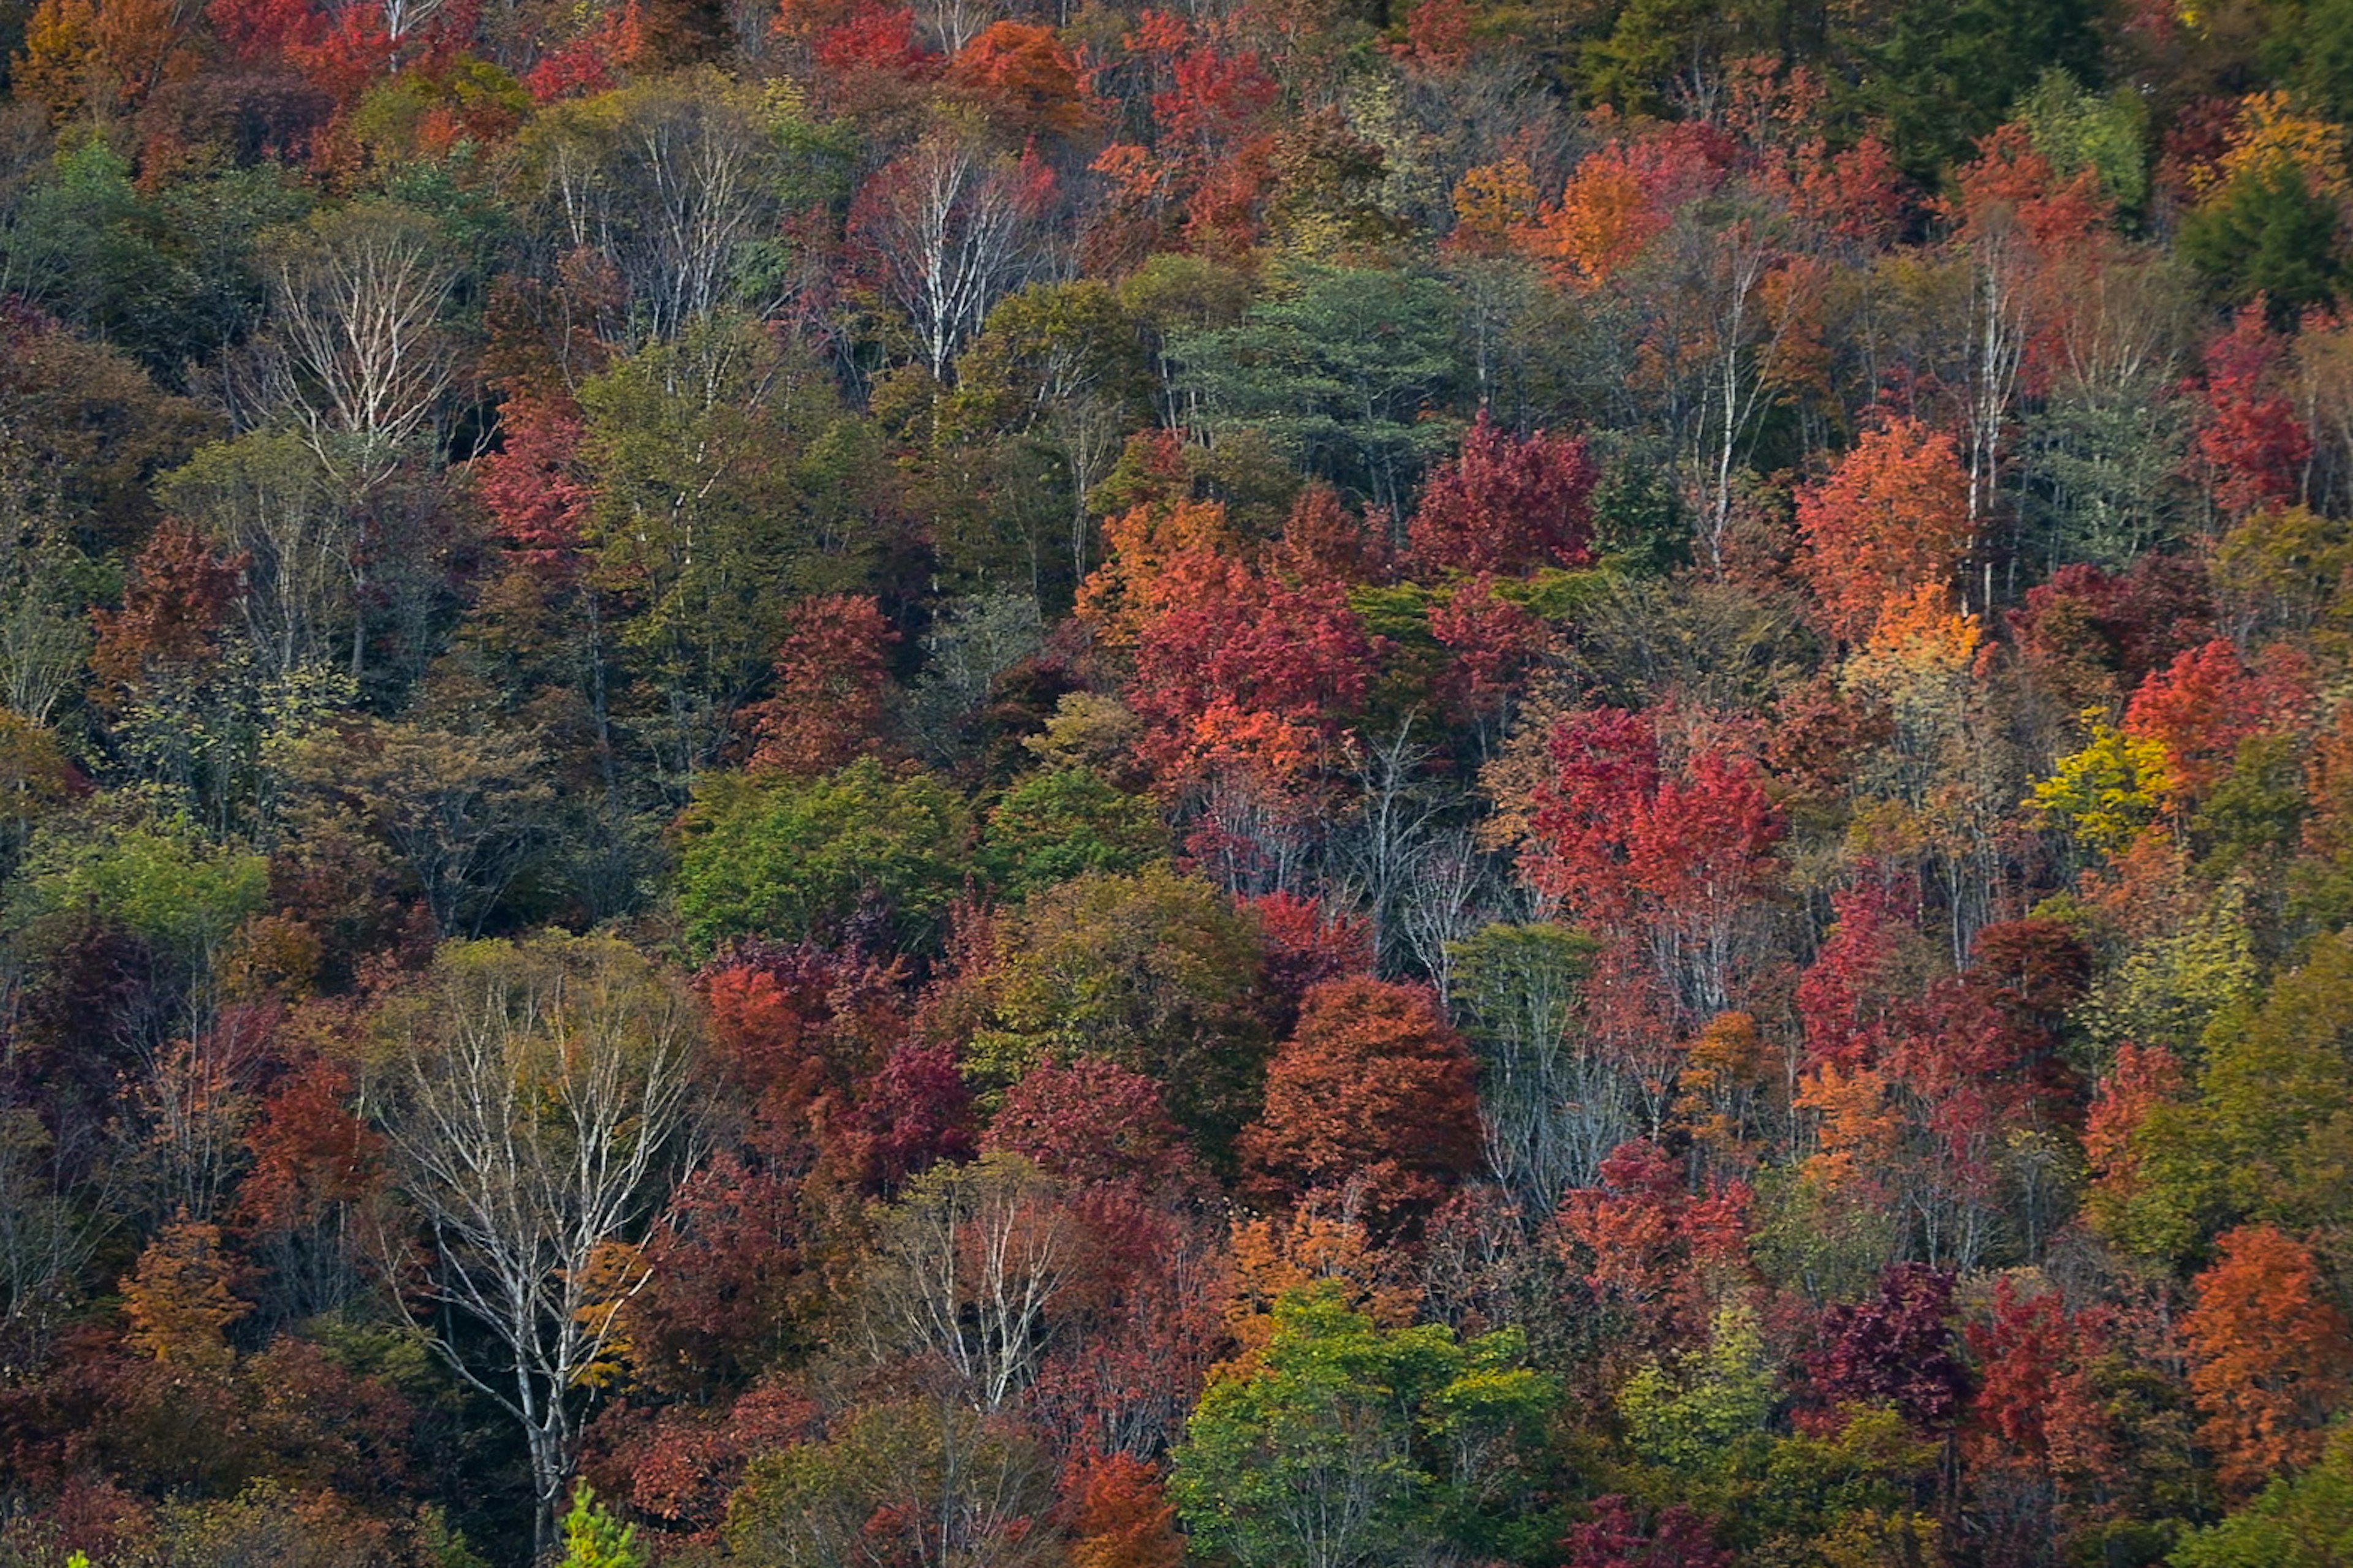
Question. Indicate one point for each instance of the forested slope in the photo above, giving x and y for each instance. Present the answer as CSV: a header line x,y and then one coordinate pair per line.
x,y
1024,785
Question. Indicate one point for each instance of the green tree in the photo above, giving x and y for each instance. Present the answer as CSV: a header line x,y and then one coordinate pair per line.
x,y
1690,1413
899,1481
1942,75
1343,1444
462,812
1342,373
724,473
794,857
2298,1521
2276,1096
1058,368
2310,47
1061,822
593,1538
170,277
2076,129
2267,235
1154,971
157,879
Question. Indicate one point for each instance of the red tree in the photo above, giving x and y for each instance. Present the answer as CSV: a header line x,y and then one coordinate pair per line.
x,y
1614,1538
1372,1091
1891,518
1507,506
177,598
1236,666
832,680
916,1112
1023,77
1094,1122
534,485
1665,861
1123,1519
1649,1245
2202,705
2270,1356
1324,541
1491,641
2039,1445
2252,441
1897,1348
1307,944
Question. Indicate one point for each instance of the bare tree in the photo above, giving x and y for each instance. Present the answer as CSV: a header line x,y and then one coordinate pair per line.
x,y
1397,820
364,360
1552,1104
537,1105
956,227
48,1236
952,24
264,496
968,1264
671,181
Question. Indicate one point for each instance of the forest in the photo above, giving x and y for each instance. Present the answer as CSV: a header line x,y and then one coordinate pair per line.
x,y
1261,783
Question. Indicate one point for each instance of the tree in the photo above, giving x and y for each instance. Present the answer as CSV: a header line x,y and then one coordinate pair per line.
x,y
1062,363
265,498
1613,1538
914,1113
899,1481
535,1103
1552,1108
1124,1518
1506,506
2266,232
178,1299
1339,375
673,181
1153,971
832,679
1061,822
2271,1357
2204,705
2296,1521
965,1271
717,495
2252,439
1891,518
464,814
1340,1443
1023,77
1897,1349
1942,80
1242,670
360,293
593,1538
2042,1441
1093,1123
953,229
1608,213
1650,1246
1372,1092
1694,1412
1667,860
792,857
173,606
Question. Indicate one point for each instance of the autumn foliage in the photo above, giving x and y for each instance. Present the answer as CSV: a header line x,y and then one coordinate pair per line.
x,y
1272,784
